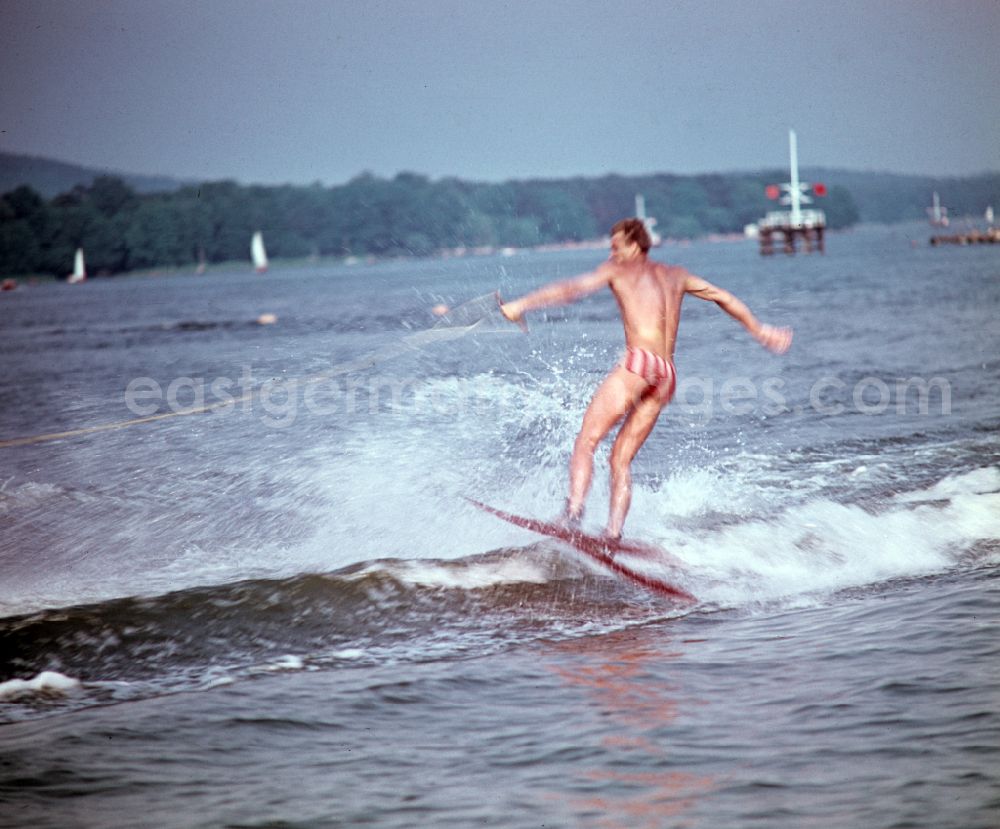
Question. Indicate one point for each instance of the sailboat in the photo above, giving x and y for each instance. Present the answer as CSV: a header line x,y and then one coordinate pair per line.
x,y
79,269
257,253
988,215
648,221
938,214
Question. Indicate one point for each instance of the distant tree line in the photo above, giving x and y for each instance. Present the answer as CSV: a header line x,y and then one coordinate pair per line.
x,y
889,197
122,230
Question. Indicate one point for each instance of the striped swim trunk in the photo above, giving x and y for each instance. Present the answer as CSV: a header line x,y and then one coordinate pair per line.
x,y
657,371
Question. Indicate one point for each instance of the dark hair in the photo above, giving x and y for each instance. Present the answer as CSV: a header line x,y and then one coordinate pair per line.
x,y
635,231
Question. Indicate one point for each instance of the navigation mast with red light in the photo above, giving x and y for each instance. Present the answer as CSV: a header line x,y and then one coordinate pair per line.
x,y
808,224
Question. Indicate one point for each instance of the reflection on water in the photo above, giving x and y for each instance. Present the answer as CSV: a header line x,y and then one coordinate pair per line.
x,y
621,677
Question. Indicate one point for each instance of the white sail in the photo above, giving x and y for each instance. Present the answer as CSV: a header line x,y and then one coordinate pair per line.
x,y
257,252
937,214
79,269
648,221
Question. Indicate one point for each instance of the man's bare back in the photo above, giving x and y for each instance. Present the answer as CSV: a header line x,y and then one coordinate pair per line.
x,y
649,297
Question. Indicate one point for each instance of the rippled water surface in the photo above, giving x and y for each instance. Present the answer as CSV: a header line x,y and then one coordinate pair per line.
x,y
284,611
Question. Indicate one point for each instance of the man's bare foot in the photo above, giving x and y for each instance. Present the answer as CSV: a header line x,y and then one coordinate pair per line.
x,y
568,519
611,541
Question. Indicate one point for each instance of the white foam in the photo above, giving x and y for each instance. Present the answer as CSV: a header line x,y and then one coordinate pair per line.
x,y
453,438
349,653
47,682
691,492
978,481
286,663
823,546
27,495
472,576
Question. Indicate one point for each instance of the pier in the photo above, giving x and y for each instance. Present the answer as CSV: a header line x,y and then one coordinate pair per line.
x,y
796,223
973,237
777,225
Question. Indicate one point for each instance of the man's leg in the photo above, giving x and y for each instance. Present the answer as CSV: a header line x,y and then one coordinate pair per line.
x,y
631,437
611,402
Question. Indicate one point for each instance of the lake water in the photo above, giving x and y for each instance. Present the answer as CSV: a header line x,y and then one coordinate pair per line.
x,y
283,611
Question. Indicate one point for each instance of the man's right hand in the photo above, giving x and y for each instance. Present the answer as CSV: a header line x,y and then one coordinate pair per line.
x,y
507,309
513,312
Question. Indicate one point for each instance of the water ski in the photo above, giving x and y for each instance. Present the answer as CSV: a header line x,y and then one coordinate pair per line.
x,y
607,552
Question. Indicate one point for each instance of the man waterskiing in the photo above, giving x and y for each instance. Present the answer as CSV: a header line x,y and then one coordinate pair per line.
x,y
649,296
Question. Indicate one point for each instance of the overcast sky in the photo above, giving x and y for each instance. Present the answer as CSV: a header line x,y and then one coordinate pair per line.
x,y
302,90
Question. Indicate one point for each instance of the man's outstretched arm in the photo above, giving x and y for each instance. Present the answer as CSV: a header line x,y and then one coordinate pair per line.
x,y
771,337
557,293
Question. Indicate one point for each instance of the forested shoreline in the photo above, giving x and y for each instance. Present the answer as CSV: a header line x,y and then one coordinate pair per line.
x,y
124,223
408,215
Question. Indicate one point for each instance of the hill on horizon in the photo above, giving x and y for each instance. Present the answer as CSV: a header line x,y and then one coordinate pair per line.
x,y
50,178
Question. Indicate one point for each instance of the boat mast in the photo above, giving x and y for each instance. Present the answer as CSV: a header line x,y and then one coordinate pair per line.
x,y
795,191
